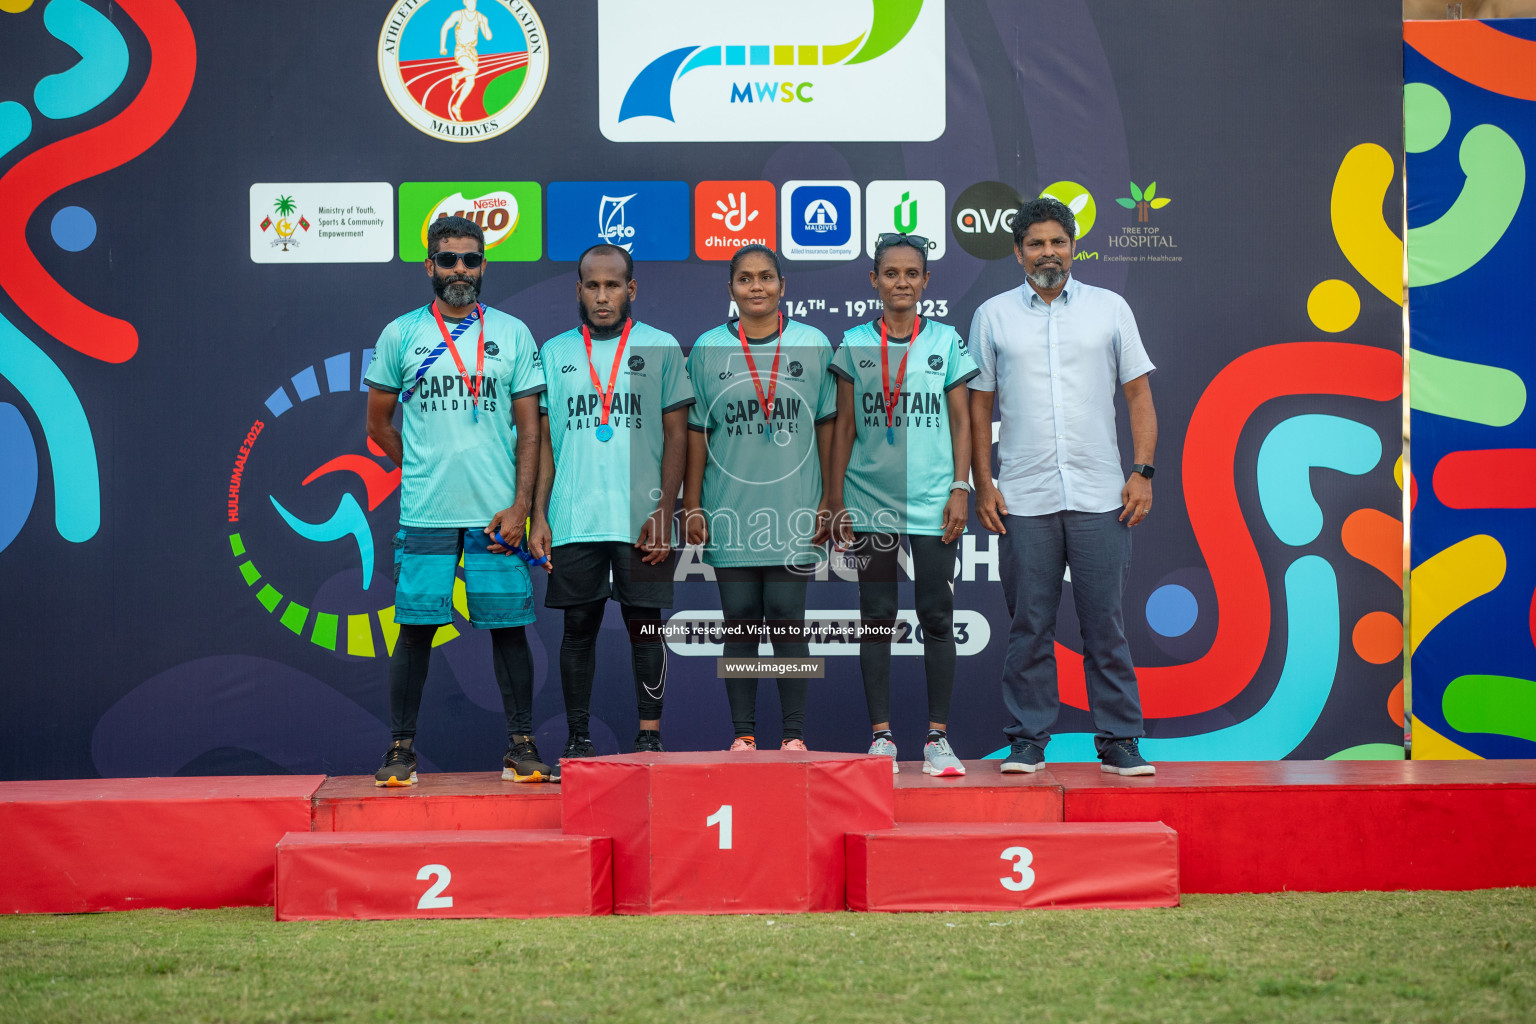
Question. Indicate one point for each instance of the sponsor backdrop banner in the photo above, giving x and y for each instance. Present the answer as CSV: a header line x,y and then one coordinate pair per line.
x,y
208,215
1470,132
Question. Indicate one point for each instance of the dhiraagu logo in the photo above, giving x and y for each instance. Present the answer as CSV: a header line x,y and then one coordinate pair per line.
x,y
702,71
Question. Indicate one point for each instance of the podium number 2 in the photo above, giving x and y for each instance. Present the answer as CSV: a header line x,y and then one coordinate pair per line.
x,y
431,900
1022,859
722,817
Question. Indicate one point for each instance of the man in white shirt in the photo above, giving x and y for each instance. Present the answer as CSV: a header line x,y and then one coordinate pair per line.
x,y
1053,351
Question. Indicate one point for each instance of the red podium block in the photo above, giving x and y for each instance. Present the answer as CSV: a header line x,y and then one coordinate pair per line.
x,y
85,845
941,866
389,875
718,833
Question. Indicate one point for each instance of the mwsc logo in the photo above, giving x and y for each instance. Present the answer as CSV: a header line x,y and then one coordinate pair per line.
x,y
811,82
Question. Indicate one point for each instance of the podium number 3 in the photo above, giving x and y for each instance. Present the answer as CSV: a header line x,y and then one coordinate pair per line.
x,y
1022,859
722,817
431,899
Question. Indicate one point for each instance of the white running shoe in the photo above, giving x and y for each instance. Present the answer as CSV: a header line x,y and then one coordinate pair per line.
x,y
886,748
939,759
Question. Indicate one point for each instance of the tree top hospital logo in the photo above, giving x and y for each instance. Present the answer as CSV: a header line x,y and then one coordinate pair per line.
x,y
463,70
702,71
310,515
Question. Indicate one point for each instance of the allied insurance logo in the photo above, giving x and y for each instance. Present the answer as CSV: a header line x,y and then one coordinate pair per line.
x,y
463,70
703,71
310,511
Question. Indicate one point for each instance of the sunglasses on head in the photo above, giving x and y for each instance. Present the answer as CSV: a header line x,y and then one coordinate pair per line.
x,y
890,238
449,260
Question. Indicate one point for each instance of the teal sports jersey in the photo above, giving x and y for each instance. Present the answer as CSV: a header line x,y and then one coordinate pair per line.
x,y
762,482
902,487
458,471
604,490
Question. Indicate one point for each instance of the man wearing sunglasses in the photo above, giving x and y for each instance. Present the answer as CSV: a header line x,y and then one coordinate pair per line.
x,y
1053,351
467,379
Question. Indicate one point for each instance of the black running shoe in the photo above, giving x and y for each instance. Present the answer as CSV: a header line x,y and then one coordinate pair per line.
x,y
399,767
648,742
522,762
1024,756
575,746
1122,758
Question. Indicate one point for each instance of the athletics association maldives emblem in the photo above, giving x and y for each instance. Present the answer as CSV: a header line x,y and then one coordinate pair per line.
x,y
463,70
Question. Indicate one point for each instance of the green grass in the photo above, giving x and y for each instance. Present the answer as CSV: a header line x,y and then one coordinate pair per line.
x,y
1430,956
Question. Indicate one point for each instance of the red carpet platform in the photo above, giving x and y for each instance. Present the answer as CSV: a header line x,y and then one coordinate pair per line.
x,y
87,845
452,800
124,844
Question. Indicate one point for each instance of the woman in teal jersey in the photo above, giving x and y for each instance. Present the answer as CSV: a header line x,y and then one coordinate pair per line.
x,y
759,445
900,467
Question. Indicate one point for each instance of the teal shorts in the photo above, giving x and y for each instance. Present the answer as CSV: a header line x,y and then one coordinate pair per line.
x,y
499,590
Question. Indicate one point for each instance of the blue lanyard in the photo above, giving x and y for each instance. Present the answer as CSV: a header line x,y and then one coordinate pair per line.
x,y
442,346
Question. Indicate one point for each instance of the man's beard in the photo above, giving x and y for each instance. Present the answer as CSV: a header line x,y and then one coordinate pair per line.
x,y
1048,277
456,290
606,332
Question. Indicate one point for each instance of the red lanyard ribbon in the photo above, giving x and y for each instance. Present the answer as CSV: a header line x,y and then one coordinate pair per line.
x,y
473,385
613,375
901,374
766,398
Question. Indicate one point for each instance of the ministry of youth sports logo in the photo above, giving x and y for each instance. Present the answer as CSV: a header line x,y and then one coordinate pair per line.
x,y
463,70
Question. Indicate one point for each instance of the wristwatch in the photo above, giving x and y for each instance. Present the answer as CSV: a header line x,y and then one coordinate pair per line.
x,y
1144,469
962,485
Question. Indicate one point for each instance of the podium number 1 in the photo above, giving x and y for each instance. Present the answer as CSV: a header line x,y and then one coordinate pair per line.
x,y
722,817
431,900
1022,859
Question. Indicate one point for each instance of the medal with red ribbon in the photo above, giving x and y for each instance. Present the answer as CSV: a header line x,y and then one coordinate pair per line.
x,y
779,437
901,375
472,385
604,431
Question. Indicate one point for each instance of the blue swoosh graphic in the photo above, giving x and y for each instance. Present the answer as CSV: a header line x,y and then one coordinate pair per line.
x,y
347,521
650,94
103,60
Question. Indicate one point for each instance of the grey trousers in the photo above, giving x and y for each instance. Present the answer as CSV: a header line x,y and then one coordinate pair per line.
x,y
1034,554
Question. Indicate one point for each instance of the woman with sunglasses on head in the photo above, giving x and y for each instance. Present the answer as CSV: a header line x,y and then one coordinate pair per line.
x,y
758,451
900,467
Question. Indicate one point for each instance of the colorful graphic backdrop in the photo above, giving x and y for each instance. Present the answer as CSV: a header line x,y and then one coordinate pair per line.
x,y
194,557
1470,134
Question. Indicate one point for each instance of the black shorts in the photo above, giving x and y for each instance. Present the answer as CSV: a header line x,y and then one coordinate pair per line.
x,y
580,575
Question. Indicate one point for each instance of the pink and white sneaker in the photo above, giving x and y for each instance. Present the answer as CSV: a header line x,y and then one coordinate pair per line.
x,y
798,745
743,743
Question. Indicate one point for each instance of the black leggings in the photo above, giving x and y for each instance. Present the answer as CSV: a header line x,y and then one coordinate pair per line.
x,y
510,656
578,648
773,594
933,571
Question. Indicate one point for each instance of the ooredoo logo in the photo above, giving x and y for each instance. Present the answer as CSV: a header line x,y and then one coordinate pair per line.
x,y
730,214
983,219
703,71
463,70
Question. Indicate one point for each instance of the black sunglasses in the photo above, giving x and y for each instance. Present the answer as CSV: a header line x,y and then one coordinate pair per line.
x,y
891,238
449,260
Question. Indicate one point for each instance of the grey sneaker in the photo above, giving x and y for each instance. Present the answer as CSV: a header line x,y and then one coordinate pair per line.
x,y
886,748
939,759
1122,758
1024,757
